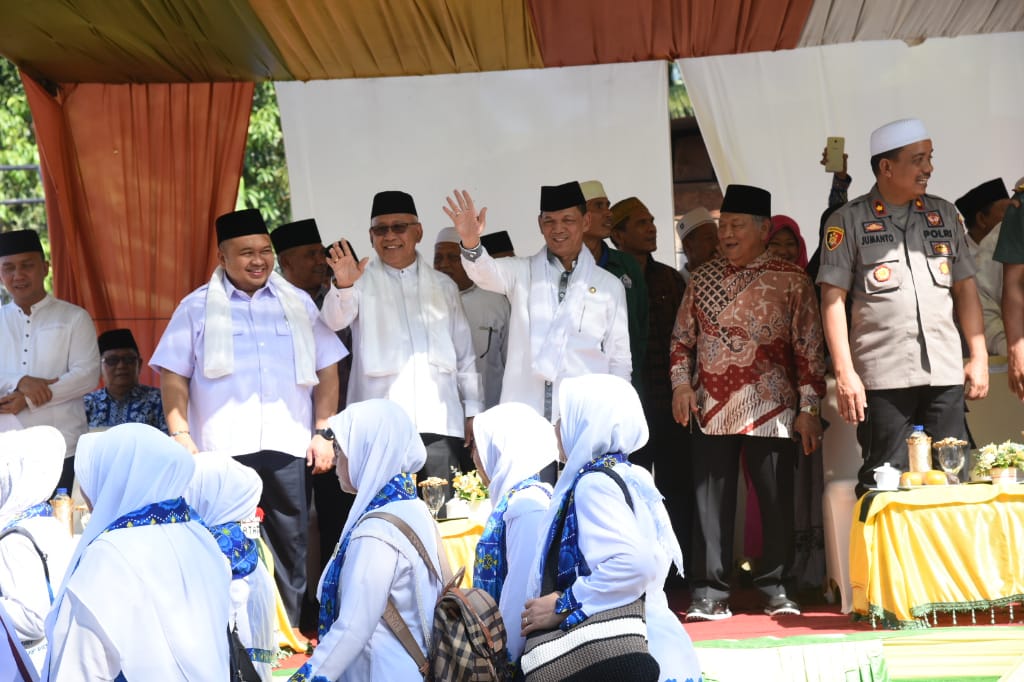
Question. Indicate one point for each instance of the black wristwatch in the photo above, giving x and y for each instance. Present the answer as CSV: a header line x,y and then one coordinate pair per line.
x,y
326,434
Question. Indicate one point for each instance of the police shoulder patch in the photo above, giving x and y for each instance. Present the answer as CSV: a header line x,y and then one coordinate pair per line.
x,y
834,237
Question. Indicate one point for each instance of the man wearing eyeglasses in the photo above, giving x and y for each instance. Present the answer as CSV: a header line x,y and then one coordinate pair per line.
x,y
411,342
122,400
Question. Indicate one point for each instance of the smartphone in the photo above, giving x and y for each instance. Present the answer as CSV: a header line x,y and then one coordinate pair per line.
x,y
834,147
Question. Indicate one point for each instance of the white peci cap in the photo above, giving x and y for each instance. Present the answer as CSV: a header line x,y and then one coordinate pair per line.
x,y
593,189
448,234
693,219
897,134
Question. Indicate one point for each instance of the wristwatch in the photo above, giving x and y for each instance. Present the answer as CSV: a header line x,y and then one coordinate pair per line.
x,y
326,434
811,410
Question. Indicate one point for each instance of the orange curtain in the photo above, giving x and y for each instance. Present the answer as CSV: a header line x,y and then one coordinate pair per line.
x,y
576,32
134,177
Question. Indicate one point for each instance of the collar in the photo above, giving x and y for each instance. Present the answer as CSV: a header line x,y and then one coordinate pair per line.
x,y
134,394
756,263
232,290
557,262
880,209
36,307
409,270
605,253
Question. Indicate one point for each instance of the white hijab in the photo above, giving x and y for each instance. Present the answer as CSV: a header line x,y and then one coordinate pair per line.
x,y
31,461
514,443
602,414
121,470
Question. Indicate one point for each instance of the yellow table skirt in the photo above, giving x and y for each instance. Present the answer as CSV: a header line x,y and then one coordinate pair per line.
x,y
460,537
946,549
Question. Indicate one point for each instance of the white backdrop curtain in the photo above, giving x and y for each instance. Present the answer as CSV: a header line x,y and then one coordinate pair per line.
x,y
499,134
765,116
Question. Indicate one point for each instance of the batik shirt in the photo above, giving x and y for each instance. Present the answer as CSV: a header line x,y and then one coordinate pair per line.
x,y
142,406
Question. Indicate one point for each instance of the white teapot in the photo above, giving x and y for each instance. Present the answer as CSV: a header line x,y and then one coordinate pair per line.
x,y
887,477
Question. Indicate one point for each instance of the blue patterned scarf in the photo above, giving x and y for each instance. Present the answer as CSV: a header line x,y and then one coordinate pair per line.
x,y
240,550
41,509
401,487
491,564
570,560
175,510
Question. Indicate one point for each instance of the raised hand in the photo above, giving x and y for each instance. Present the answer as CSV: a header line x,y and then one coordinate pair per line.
x,y
343,263
462,212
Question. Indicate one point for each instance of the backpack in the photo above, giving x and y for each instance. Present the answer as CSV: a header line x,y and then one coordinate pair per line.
x,y
468,641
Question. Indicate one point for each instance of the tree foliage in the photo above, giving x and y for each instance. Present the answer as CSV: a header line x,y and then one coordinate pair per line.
x,y
264,183
18,148
679,105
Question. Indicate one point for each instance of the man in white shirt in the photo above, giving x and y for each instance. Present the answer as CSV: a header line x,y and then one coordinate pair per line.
x,y
568,315
247,368
486,311
982,209
48,353
411,341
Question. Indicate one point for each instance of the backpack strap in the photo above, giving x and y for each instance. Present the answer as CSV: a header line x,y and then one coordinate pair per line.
x,y
18,530
392,617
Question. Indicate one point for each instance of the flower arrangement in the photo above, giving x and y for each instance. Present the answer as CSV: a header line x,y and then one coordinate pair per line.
x,y
468,486
1004,455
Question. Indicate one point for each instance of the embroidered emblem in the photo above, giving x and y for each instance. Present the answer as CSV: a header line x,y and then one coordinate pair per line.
x,y
933,218
834,237
918,204
882,273
874,227
593,290
942,248
626,282
944,267
879,207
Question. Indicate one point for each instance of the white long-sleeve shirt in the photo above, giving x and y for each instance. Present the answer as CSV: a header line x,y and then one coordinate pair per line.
x,y
598,345
523,518
23,589
436,401
56,340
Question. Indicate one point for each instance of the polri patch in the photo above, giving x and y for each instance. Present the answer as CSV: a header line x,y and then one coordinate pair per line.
x,y
834,237
933,218
874,226
941,248
882,273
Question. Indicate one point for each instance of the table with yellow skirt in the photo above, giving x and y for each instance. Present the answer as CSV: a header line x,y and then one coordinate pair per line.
x,y
941,549
459,537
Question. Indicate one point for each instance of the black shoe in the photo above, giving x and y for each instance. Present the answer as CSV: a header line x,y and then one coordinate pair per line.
x,y
708,609
782,606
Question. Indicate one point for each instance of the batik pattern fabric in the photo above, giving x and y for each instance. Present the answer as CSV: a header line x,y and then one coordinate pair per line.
x,y
175,510
143,405
750,341
41,509
491,565
571,562
401,487
240,551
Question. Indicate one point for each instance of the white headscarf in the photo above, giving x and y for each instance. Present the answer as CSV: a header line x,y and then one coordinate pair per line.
x,y
514,443
602,414
380,442
31,461
121,470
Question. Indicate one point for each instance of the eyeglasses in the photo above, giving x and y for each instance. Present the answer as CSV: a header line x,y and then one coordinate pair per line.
x,y
397,228
115,360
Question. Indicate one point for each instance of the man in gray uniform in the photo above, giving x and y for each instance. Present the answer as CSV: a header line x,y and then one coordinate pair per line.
x,y
902,257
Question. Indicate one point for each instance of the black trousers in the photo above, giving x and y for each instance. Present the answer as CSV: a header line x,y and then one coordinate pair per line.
x,y
67,476
332,508
891,416
716,461
285,521
443,453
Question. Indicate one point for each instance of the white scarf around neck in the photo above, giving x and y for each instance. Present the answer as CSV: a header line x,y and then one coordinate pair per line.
x,y
218,342
551,322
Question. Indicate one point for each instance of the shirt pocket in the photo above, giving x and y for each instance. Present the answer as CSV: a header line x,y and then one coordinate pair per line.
x,y
593,319
941,268
882,267
282,327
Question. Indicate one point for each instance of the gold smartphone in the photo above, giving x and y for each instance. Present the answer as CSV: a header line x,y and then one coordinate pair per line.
x,y
834,147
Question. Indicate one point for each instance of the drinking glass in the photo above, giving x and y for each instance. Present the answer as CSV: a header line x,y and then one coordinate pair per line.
x,y
433,495
951,459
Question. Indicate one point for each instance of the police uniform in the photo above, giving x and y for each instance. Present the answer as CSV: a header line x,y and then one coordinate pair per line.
x,y
903,341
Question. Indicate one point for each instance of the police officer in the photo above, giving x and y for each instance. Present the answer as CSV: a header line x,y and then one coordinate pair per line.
x,y
902,257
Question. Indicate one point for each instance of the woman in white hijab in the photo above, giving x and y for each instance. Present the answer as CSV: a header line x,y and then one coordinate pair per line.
x,y
378,450
512,443
146,596
617,554
226,493
31,461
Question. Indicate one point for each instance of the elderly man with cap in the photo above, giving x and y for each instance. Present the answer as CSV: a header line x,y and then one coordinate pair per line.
x,y
48,355
568,316
698,234
748,366
982,209
901,256
622,266
248,368
411,340
301,255
123,400
486,312
1010,252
